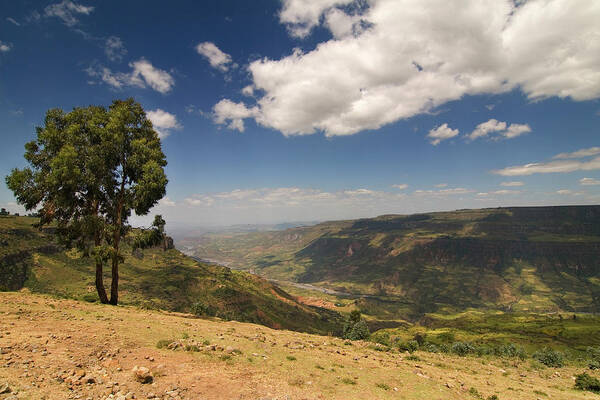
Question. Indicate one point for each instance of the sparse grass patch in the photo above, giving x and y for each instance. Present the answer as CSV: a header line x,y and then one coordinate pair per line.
x,y
475,393
382,386
296,382
290,358
224,357
413,357
349,381
319,367
540,393
162,343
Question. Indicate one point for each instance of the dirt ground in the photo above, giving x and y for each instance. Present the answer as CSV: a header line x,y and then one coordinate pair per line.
x,y
62,349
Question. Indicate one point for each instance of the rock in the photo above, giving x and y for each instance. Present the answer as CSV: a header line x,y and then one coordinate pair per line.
x,y
4,388
150,396
449,385
142,374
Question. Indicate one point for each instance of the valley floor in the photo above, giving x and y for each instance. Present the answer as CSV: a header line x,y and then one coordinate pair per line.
x,y
62,349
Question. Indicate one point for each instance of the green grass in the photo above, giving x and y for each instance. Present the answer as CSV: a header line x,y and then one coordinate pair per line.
x,y
166,280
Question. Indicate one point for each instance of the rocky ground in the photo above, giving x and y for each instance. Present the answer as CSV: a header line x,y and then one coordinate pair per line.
x,y
63,349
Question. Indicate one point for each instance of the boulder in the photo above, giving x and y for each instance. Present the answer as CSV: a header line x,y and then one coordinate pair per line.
x,y
142,374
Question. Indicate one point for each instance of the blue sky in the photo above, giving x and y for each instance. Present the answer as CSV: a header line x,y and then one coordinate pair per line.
x,y
274,111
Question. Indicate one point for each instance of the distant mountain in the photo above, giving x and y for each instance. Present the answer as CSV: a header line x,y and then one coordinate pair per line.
x,y
152,278
539,259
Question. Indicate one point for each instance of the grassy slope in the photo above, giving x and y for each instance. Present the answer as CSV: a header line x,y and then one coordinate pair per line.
x,y
167,280
108,341
513,259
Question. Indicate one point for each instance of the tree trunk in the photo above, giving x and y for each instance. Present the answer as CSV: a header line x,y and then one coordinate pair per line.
x,y
114,286
100,284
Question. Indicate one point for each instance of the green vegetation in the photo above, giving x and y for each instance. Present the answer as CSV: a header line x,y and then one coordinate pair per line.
x,y
153,278
550,358
398,268
587,382
89,169
356,328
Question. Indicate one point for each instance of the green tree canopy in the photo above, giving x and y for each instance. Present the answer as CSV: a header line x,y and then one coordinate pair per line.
x,y
88,170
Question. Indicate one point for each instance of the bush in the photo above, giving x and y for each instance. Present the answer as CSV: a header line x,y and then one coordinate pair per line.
x,y
356,328
462,348
90,297
199,308
550,358
587,382
410,346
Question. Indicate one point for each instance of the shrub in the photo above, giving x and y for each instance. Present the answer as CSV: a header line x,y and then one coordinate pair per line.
x,y
587,382
349,381
432,348
291,358
594,365
90,297
382,386
413,358
462,348
199,308
410,346
357,331
549,357
163,343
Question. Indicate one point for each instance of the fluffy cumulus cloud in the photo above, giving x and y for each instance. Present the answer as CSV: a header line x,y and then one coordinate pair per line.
x,y
226,111
581,160
589,182
498,129
114,48
4,47
143,74
214,55
163,122
67,11
440,133
393,59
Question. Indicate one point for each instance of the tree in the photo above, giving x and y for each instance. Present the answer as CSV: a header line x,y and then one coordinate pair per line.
x,y
89,169
355,327
3,212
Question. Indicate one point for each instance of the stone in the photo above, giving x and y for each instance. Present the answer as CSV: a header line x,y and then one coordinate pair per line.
x,y
4,388
142,374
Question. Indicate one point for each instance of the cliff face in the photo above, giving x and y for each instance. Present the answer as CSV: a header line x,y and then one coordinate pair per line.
x,y
545,258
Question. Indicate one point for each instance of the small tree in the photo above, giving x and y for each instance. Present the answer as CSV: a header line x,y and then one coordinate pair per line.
x,y
89,169
3,212
356,328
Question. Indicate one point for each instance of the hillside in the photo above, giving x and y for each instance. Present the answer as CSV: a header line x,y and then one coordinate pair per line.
x,y
523,259
57,348
151,278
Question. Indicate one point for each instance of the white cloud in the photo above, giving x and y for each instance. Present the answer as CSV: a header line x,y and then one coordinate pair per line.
x,y
401,186
4,47
114,48
214,55
166,202
301,16
163,122
592,151
441,185
506,191
443,192
515,130
550,167
511,184
440,133
412,58
500,128
13,21
589,182
227,110
143,74
67,11
248,91
564,191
